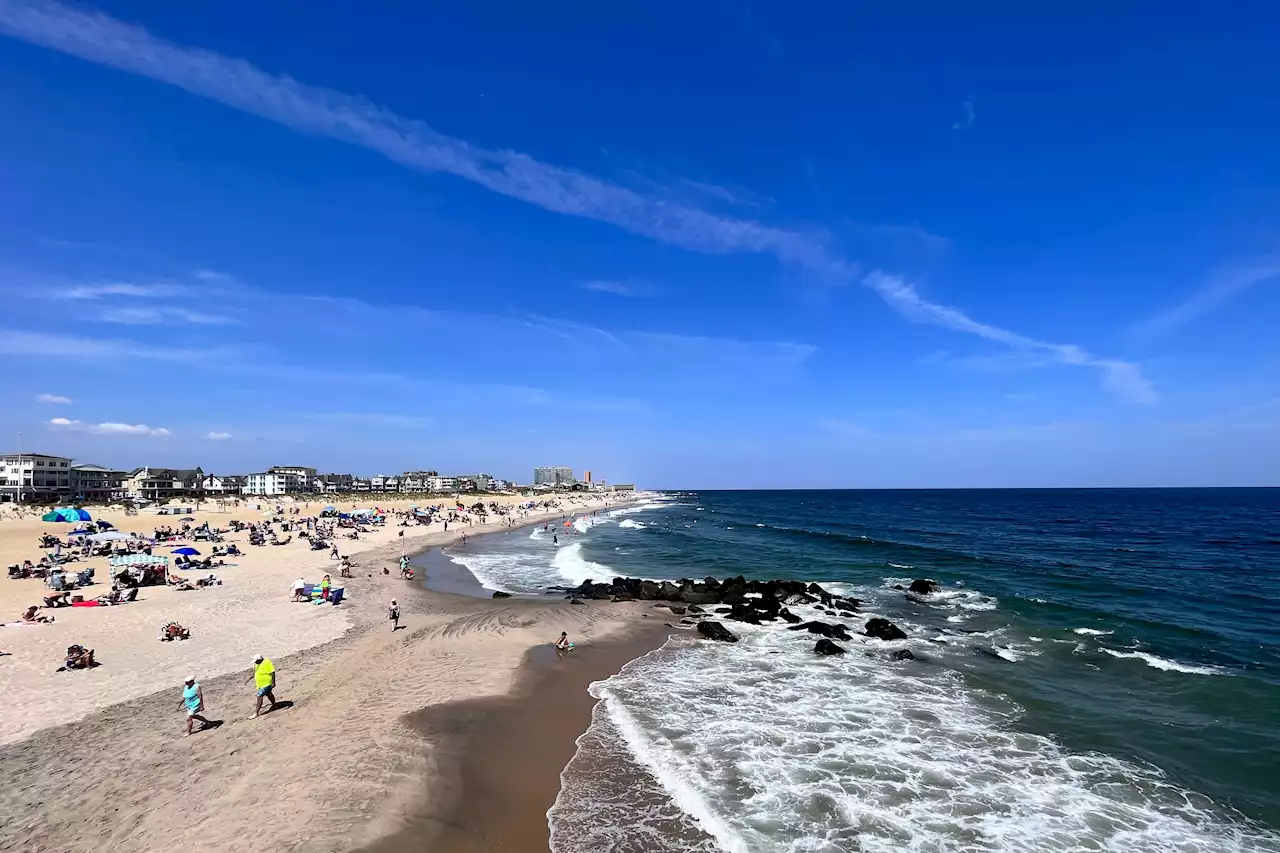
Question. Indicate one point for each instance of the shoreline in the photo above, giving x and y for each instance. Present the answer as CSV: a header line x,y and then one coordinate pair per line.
x,y
345,762
482,800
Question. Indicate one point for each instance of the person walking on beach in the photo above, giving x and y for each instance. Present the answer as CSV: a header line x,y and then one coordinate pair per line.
x,y
264,680
193,701
393,613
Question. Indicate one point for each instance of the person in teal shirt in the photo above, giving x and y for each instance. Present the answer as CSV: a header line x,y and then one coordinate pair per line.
x,y
193,701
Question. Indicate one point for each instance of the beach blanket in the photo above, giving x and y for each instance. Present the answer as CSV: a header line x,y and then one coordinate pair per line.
x,y
86,604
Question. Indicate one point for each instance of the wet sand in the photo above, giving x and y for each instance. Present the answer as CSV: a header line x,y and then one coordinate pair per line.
x,y
498,759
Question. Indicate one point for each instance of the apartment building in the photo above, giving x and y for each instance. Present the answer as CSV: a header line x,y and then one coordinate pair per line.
x,y
306,477
34,477
553,476
273,482
97,484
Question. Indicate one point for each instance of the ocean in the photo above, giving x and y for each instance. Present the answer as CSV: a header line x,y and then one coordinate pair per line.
x,y
1100,670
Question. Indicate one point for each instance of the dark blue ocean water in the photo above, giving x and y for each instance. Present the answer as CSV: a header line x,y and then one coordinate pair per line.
x,y
1101,669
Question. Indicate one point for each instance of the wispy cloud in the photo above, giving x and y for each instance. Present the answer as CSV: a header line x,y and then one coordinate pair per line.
x,y
115,288
168,315
99,38
618,288
1222,287
110,428
970,113
1122,378
56,399
22,343
218,436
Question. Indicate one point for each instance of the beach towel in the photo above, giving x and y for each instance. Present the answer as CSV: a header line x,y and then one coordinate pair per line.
x,y
86,604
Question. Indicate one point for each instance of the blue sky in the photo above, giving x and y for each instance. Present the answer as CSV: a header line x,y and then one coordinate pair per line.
x,y
690,245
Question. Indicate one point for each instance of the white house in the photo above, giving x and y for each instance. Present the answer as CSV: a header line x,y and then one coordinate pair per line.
x,y
272,483
306,476
442,484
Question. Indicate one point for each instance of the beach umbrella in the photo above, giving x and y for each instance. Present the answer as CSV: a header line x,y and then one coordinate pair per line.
x,y
329,509
73,514
109,536
186,552
52,516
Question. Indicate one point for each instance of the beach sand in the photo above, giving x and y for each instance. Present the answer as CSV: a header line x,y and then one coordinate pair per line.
x,y
95,760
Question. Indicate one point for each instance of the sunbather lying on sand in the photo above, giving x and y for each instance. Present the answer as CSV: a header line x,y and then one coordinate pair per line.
x,y
30,616
78,657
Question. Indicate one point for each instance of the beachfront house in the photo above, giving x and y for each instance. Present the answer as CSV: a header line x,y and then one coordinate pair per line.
x,y
442,484
163,484
306,477
361,485
34,477
97,484
230,484
474,482
272,482
378,483
333,483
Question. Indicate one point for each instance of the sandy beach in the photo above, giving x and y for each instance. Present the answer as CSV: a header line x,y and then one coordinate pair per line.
x,y
95,759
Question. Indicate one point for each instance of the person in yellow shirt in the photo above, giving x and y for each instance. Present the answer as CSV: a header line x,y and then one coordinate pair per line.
x,y
264,679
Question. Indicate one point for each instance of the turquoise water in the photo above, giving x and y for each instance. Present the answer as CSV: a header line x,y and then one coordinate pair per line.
x,y
1100,670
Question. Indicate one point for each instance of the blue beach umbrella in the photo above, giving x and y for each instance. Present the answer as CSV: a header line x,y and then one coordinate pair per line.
x,y
186,552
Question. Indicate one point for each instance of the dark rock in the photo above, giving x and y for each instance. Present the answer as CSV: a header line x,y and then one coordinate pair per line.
x,y
883,629
677,609
716,631
693,608
903,654
649,591
694,595
826,647
898,586
724,609
920,586
788,616
500,594
670,592
799,598
744,613
622,596
578,601
838,632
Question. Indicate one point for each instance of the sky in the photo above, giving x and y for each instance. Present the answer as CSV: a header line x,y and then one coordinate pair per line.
x,y
709,245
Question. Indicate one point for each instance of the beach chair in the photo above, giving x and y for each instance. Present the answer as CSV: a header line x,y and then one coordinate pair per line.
x,y
335,594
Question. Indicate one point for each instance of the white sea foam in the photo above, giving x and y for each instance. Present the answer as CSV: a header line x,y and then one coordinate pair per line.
x,y
632,525
1168,665
1092,632
575,568
773,749
644,507
900,566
